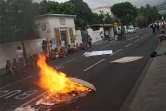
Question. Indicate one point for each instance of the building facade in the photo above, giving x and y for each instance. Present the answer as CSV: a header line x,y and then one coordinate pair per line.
x,y
106,10
57,27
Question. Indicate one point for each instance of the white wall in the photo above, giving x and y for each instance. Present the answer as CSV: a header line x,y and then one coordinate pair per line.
x,y
95,34
8,50
40,22
78,38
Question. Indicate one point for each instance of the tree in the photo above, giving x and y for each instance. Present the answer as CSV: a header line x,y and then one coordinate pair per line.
x,y
125,11
141,20
147,15
83,12
56,8
17,20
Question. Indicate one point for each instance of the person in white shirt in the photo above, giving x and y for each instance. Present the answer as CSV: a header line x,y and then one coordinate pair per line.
x,y
20,55
62,43
102,35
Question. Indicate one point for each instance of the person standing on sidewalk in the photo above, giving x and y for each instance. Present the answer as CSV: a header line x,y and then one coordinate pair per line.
x,y
119,34
153,27
102,35
89,41
107,35
21,60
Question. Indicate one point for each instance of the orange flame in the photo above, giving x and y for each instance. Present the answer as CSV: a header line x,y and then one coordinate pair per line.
x,y
54,81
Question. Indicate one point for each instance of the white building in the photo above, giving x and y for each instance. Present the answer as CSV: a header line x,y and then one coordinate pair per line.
x,y
106,9
57,27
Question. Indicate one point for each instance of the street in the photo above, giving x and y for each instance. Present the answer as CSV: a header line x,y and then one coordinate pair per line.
x,y
113,81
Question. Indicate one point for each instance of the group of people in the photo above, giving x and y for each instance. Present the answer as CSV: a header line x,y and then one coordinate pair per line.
x,y
157,26
105,36
119,35
55,53
12,66
15,66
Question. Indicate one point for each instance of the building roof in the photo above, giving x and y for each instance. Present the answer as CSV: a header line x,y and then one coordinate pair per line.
x,y
101,7
101,25
56,15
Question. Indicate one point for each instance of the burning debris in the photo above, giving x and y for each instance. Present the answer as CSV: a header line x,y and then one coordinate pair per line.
x,y
61,89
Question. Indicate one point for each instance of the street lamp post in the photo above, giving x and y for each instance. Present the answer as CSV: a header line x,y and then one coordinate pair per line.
x,y
102,13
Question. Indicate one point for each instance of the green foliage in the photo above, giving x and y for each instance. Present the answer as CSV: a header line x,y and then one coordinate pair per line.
x,y
17,20
56,8
125,11
147,15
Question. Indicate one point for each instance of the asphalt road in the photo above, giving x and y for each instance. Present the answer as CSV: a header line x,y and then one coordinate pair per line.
x,y
113,81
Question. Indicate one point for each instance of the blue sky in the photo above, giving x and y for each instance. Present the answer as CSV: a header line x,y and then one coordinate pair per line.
x,y
98,3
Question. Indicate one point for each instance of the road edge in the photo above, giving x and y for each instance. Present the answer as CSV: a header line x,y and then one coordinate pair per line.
x,y
132,94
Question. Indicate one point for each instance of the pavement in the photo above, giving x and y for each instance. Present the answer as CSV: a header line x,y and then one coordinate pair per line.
x,y
151,95
114,81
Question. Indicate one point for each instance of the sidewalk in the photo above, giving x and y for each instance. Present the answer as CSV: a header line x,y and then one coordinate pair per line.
x,y
151,95
2,72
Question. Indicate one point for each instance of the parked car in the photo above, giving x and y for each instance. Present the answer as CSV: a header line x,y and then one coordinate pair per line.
x,y
137,28
131,30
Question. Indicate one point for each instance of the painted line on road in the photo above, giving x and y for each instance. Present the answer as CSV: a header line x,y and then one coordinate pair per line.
x,y
105,46
16,82
116,52
142,37
116,42
130,39
136,37
94,65
136,40
64,63
128,45
28,102
112,41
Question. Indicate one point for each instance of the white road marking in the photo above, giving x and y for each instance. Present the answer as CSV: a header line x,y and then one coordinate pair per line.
x,y
16,82
112,41
136,37
64,63
105,46
128,45
116,52
28,102
94,65
116,42
136,40
130,39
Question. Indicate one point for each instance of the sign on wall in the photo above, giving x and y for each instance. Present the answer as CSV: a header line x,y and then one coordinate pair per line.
x,y
62,21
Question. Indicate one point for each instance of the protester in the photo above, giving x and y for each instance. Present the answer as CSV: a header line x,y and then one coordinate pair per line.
x,y
119,34
107,35
89,41
21,60
163,25
124,34
102,36
9,67
62,43
153,27
158,26
62,53
15,64
44,47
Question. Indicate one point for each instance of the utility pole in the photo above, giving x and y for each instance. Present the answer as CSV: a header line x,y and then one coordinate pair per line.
x,y
102,13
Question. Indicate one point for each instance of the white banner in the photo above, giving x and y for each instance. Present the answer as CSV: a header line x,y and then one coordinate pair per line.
x,y
97,53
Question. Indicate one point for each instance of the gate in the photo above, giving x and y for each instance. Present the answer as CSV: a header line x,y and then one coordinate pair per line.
x,y
84,36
